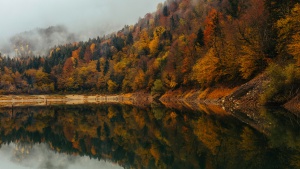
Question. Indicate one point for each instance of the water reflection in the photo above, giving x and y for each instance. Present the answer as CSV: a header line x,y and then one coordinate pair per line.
x,y
154,137
39,156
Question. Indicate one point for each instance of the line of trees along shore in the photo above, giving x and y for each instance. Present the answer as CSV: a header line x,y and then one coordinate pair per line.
x,y
184,44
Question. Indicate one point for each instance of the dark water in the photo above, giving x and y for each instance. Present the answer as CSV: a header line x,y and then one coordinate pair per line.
x,y
119,136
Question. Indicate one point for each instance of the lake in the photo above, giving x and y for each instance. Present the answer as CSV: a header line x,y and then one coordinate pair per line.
x,y
123,136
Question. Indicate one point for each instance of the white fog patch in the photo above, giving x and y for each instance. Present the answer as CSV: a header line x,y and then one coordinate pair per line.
x,y
39,156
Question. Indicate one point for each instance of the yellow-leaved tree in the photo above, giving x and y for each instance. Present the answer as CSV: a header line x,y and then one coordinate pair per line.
x,y
251,58
294,48
154,44
112,86
142,45
289,34
205,70
139,80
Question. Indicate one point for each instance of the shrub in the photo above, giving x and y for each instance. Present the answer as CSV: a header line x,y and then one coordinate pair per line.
x,y
158,87
283,84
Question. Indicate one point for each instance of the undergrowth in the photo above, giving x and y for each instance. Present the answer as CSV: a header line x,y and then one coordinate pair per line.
x,y
283,84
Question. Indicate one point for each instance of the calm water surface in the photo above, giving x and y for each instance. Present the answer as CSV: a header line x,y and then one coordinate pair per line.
x,y
119,136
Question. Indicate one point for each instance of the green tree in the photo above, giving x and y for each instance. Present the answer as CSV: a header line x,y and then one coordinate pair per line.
x,y
129,39
98,66
82,52
158,87
200,38
106,67
46,67
165,11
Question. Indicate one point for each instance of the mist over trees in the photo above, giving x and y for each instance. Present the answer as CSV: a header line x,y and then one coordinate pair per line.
x,y
37,42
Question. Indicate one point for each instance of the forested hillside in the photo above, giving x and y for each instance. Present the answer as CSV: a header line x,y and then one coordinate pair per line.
x,y
184,44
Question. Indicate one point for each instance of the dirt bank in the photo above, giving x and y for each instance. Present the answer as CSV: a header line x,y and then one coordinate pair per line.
x,y
293,105
211,96
248,94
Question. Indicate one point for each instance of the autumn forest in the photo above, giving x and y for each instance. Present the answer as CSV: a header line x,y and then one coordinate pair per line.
x,y
185,44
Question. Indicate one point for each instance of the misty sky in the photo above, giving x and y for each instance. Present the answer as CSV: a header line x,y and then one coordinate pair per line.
x,y
85,16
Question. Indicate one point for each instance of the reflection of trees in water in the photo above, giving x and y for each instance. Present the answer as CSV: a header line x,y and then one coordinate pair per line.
x,y
22,151
152,138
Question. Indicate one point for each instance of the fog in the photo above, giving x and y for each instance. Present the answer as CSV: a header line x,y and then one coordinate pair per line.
x,y
81,19
39,156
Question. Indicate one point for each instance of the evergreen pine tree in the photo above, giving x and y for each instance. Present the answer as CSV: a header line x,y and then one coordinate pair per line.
x,y
98,66
46,67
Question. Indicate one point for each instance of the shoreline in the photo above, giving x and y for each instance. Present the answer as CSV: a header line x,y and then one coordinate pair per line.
x,y
222,105
46,99
237,98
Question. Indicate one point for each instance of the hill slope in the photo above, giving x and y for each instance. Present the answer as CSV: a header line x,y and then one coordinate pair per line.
x,y
188,44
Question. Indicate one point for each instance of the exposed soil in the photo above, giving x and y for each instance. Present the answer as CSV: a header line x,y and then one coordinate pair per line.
x,y
247,95
293,105
211,96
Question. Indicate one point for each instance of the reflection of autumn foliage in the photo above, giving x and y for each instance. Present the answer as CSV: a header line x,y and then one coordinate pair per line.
x,y
69,133
207,133
142,138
